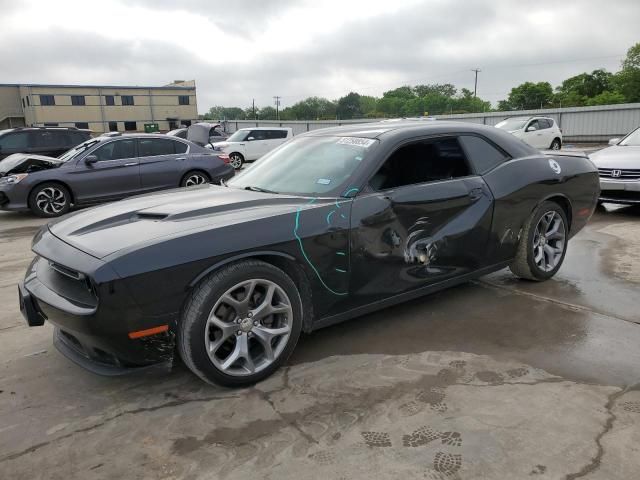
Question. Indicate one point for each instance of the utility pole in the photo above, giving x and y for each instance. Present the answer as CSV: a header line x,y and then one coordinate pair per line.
x,y
276,99
253,108
475,85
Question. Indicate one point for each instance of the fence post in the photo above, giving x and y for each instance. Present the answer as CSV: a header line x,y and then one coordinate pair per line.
x,y
307,126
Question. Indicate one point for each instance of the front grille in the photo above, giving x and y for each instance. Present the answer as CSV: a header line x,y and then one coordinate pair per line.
x,y
67,282
619,174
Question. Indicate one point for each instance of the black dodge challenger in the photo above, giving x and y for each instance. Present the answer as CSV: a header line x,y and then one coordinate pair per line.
x,y
331,225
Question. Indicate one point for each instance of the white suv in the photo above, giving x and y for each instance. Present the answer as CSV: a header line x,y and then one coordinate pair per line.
x,y
539,132
248,144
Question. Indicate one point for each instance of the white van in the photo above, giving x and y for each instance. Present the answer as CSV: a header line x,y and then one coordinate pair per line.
x,y
539,132
248,144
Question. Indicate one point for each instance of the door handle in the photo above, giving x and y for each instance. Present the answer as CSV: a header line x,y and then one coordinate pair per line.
x,y
181,158
475,193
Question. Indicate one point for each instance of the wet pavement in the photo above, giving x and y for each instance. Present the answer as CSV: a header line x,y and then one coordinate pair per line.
x,y
497,378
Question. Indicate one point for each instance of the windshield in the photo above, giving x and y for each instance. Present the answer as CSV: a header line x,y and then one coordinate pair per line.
x,y
308,166
70,154
632,140
239,136
511,124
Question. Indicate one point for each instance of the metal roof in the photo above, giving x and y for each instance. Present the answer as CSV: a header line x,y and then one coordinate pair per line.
x,y
51,85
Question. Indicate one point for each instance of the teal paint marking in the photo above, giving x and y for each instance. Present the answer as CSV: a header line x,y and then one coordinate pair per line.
x,y
341,253
304,254
342,215
329,216
340,270
346,194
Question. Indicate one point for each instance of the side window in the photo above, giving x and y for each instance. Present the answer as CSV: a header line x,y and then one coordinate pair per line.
x,y
116,150
47,139
151,147
483,155
276,134
544,123
13,141
534,124
214,133
421,162
258,134
78,137
179,146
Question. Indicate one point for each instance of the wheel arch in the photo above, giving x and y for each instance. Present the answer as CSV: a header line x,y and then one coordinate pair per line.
x,y
194,170
564,202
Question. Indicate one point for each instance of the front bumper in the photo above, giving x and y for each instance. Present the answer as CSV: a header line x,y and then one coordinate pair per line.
x,y
624,192
93,322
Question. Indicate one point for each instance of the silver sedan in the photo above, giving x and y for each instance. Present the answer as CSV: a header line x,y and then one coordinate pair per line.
x,y
619,169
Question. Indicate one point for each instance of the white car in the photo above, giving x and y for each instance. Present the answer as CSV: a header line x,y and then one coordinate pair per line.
x,y
619,169
539,132
248,144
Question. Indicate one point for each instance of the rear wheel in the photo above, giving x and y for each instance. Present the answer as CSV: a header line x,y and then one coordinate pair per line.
x,y
543,243
556,144
50,200
193,178
240,324
236,160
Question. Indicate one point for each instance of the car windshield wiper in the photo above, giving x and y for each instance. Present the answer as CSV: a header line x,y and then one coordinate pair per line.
x,y
258,189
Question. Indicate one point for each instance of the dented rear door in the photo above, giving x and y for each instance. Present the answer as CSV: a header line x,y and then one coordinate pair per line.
x,y
416,235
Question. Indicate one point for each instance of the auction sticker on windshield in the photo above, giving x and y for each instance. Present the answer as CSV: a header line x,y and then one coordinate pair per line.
x,y
356,141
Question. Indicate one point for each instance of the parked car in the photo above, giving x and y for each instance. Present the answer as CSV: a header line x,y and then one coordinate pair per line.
x,y
178,132
203,133
50,141
619,169
336,223
539,132
105,168
249,144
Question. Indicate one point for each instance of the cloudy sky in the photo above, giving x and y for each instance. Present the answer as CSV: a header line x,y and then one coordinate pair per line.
x,y
237,50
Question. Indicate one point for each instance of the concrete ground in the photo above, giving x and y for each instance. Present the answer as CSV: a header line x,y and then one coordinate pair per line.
x,y
495,379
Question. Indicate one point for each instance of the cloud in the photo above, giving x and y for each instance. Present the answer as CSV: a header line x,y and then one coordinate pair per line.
x,y
248,50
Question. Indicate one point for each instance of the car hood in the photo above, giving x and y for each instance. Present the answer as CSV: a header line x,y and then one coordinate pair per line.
x,y
621,157
26,163
146,219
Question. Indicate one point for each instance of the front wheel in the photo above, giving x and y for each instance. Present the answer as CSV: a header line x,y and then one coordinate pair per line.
x,y
50,200
240,324
556,144
543,243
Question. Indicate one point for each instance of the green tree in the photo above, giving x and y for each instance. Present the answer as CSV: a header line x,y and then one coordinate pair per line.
x,y
607,98
529,96
368,105
445,90
587,84
267,113
627,80
349,106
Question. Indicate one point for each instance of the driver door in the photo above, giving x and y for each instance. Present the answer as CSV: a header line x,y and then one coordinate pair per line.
x,y
256,144
534,135
114,174
425,218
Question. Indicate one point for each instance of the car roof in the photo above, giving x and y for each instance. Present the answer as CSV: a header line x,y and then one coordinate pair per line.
x,y
27,129
265,128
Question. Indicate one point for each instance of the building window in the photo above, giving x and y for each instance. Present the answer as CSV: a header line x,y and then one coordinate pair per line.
x,y
47,100
23,104
109,100
113,126
129,126
47,124
84,125
127,100
28,103
183,99
77,100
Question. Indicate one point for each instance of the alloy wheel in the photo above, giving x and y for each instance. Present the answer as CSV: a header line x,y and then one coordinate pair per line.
x,y
235,161
248,327
549,240
51,200
194,179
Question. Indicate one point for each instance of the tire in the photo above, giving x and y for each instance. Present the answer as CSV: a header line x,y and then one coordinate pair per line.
x,y
238,339
528,264
49,200
236,160
194,177
556,144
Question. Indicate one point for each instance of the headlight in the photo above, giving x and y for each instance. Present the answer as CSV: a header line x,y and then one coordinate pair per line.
x,y
13,179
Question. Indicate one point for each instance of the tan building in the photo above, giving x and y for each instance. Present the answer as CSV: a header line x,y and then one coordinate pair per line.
x,y
100,108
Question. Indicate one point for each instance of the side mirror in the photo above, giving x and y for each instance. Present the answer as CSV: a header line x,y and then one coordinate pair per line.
x,y
250,139
90,159
614,141
531,129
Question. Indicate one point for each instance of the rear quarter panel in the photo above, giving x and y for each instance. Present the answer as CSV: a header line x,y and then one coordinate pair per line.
x,y
520,185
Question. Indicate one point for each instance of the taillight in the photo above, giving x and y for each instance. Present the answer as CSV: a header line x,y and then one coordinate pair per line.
x,y
224,157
